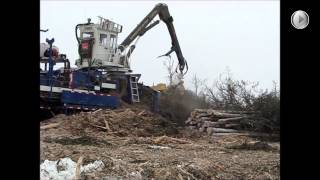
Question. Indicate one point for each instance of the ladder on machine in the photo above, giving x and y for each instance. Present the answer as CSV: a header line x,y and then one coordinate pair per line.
x,y
134,89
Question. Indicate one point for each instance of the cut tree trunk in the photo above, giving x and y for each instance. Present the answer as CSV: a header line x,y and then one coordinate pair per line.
x,y
222,130
205,118
213,124
226,115
232,125
239,112
202,129
193,123
188,120
234,119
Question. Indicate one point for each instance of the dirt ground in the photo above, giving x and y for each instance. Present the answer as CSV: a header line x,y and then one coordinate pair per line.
x,y
134,143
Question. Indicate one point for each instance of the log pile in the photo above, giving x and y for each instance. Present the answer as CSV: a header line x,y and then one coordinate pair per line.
x,y
213,121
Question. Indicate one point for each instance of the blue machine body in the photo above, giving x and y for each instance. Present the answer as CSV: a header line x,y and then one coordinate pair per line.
x,y
85,78
84,88
89,99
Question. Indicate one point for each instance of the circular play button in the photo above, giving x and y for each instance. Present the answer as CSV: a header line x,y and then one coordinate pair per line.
x,y
299,19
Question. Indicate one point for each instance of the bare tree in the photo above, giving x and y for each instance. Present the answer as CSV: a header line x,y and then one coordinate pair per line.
x,y
229,93
197,84
170,69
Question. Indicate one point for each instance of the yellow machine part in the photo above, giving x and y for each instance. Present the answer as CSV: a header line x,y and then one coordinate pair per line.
x,y
160,87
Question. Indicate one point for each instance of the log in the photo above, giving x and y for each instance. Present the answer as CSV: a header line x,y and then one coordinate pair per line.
x,y
226,115
193,123
210,131
222,130
188,120
212,124
201,110
230,119
202,129
192,127
78,169
232,125
193,114
49,126
205,118
239,112
198,116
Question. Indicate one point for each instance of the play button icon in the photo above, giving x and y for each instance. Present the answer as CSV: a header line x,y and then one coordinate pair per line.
x,y
300,19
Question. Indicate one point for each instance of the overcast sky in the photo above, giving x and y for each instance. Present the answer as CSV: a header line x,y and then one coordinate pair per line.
x,y
241,35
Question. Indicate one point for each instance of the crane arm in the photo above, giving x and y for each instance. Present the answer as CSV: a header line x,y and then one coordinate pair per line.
x,y
163,12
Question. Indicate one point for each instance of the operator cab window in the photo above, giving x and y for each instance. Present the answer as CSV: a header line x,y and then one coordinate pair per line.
x,y
113,41
103,40
86,35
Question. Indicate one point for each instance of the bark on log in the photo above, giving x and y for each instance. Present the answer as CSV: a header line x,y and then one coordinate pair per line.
x,y
205,118
201,110
199,125
232,125
222,130
202,129
193,123
226,115
188,120
198,116
239,112
213,124
210,131
234,119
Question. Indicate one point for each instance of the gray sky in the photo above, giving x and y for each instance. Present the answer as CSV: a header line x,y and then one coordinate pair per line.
x,y
241,35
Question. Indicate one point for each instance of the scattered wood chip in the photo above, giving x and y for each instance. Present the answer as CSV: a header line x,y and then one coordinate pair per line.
x,y
140,113
159,147
94,112
98,126
167,140
53,125
78,170
107,125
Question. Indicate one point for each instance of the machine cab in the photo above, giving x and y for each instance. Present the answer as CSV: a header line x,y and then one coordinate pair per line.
x,y
98,45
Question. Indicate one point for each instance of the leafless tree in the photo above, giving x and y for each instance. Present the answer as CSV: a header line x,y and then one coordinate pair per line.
x,y
170,69
198,84
229,93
